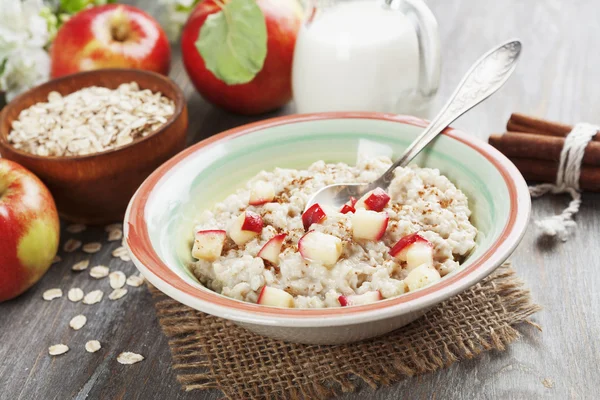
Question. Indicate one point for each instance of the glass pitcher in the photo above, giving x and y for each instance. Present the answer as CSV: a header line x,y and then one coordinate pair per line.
x,y
367,55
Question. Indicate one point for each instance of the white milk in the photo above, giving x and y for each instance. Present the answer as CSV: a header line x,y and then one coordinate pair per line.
x,y
357,56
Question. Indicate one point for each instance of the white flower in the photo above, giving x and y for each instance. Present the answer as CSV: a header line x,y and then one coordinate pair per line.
x,y
175,15
24,61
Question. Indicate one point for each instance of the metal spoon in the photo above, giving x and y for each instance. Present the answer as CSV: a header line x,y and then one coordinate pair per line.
x,y
484,78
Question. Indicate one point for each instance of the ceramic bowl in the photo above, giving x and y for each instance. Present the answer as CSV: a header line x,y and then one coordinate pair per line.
x,y
159,219
96,188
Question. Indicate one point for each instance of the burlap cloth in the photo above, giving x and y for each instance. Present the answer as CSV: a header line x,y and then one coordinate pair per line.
x,y
212,353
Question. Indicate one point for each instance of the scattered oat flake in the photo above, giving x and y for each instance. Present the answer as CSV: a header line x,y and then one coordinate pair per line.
x,y
58,349
75,294
71,245
99,272
128,357
115,234
76,228
125,258
93,247
117,279
56,259
93,297
92,346
112,227
81,265
549,383
119,251
78,322
135,280
117,294
52,294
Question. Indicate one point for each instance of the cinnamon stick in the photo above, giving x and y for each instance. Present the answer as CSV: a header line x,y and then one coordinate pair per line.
x,y
545,171
540,147
527,124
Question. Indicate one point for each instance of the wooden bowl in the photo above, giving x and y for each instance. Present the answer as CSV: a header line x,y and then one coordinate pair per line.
x,y
96,188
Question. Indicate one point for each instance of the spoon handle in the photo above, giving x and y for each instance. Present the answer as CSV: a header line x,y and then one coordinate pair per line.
x,y
484,78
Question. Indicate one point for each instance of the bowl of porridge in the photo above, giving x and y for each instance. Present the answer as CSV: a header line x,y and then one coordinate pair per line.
x,y
222,227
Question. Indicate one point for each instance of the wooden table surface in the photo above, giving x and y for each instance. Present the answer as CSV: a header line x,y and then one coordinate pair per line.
x,y
558,77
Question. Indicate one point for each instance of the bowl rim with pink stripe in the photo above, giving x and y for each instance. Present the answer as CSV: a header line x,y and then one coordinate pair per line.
x,y
163,206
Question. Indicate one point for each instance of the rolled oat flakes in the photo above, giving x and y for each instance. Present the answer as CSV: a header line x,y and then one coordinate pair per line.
x,y
52,294
99,272
78,322
90,120
117,279
75,294
92,346
93,297
57,349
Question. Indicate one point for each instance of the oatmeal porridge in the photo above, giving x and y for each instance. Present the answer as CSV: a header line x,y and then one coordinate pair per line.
x,y
260,246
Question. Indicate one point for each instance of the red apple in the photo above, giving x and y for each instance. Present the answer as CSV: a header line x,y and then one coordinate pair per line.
x,y
313,215
270,296
29,229
246,227
320,247
369,225
375,200
270,251
414,249
208,244
110,36
360,299
271,87
262,192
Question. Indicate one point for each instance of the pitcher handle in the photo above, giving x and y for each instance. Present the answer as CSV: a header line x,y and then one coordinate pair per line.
x,y
429,45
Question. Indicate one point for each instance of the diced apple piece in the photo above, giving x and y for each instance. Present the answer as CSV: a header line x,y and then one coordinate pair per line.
x,y
414,249
347,208
320,247
246,227
270,251
360,299
352,201
270,296
417,254
374,200
369,225
208,244
313,215
421,276
262,192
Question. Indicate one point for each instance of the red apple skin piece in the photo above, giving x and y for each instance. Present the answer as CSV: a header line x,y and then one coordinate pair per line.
x,y
29,229
377,200
313,215
271,88
353,201
252,222
406,241
271,250
77,46
358,299
346,208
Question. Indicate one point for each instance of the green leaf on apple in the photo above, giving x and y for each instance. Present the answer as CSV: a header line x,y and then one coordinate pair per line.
x,y
74,6
233,41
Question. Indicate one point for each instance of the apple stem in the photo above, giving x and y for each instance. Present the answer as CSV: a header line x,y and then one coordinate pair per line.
x,y
119,26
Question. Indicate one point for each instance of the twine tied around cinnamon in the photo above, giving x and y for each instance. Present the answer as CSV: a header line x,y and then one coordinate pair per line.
x,y
567,181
